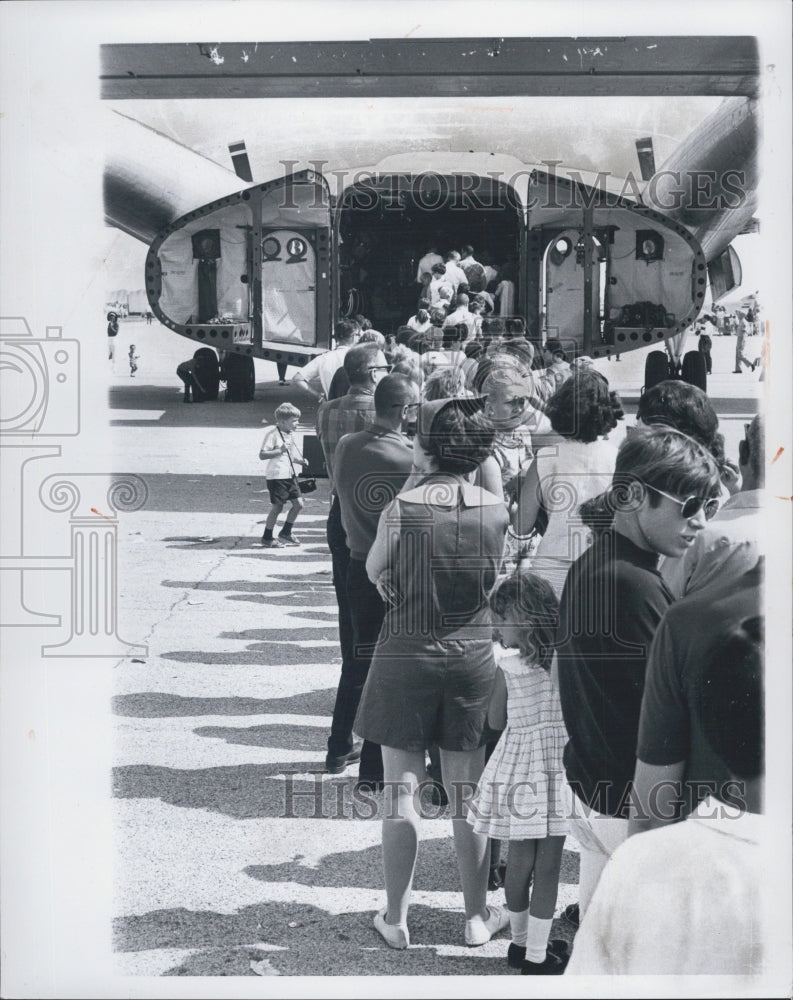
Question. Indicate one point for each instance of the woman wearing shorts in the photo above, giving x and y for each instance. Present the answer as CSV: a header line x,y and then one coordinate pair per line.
x,y
435,561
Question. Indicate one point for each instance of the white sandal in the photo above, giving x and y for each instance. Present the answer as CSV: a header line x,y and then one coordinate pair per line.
x,y
395,935
479,931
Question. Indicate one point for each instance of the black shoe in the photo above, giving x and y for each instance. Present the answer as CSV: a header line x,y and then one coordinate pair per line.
x,y
336,763
438,796
496,876
516,953
552,965
572,915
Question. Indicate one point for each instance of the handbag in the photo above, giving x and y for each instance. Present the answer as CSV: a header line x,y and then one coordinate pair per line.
x,y
306,484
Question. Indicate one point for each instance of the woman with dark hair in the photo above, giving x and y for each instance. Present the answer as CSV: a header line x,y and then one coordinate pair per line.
x,y
435,560
582,411
687,408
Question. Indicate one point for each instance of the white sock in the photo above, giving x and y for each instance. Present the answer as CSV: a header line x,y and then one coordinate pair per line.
x,y
519,925
537,938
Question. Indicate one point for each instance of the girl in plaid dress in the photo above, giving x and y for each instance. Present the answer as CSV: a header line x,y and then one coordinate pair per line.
x,y
519,797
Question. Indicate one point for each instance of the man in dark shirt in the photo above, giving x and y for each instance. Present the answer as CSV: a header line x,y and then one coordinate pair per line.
x,y
370,468
612,602
365,365
676,766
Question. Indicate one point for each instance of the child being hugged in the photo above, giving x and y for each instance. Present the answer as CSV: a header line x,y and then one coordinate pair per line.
x,y
519,797
279,450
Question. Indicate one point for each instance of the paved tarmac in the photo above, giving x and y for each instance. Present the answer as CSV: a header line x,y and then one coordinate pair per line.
x,y
234,853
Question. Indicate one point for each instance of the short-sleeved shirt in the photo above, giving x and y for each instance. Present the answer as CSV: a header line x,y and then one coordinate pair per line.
x,y
345,415
320,370
669,729
612,602
370,469
279,467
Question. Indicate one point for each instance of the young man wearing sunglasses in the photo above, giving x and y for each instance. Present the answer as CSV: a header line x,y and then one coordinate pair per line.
x,y
735,538
611,605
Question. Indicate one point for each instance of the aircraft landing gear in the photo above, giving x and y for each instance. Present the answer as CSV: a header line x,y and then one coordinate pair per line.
x,y
661,366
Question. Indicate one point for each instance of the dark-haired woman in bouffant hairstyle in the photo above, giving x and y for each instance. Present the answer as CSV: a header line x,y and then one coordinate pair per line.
x,y
582,411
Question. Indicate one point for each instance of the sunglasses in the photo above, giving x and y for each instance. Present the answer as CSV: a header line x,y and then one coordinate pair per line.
x,y
691,506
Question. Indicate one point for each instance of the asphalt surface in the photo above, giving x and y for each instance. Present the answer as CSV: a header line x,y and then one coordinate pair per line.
x,y
235,855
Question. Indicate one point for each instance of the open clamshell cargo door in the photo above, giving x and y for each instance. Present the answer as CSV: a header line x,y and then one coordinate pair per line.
x,y
250,273
618,275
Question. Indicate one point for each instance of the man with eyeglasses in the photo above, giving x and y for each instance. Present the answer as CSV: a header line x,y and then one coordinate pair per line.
x,y
612,601
370,469
733,541
365,365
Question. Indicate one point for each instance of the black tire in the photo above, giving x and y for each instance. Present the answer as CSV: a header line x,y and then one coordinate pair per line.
x,y
656,369
695,370
240,375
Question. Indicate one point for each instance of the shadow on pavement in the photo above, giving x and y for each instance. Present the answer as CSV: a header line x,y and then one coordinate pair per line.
x,y
436,869
261,653
215,413
281,790
297,939
163,705
276,735
192,492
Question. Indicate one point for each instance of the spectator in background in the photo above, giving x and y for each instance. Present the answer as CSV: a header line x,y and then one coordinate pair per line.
x,y
563,476
425,265
740,342
365,365
685,407
317,375
370,468
454,272
438,282
557,370
112,333
474,271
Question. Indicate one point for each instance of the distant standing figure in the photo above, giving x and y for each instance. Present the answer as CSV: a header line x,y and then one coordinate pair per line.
x,y
112,333
133,361
704,345
740,341
149,318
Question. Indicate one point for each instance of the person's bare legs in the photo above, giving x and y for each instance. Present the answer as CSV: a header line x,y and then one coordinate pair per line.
x,y
403,771
547,865
461,772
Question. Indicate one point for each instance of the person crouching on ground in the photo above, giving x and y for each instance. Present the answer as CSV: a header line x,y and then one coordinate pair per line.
x,y
279,450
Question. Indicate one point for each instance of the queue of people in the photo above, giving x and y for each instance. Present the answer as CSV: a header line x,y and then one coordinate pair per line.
x,y
502,568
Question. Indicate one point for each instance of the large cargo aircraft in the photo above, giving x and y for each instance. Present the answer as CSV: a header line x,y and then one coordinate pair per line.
x,y
605,265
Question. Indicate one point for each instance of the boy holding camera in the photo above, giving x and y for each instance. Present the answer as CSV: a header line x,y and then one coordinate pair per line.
x,y
279,450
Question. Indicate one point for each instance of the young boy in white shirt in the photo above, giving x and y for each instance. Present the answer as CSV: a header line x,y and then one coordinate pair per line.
x,y
279,450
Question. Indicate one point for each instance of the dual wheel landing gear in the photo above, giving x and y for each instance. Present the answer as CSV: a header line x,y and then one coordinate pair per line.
x,y
660,366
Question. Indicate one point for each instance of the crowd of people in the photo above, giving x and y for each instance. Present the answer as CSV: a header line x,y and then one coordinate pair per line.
x,y
569,630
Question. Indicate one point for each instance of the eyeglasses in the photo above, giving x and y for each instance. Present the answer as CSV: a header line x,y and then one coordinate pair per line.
x,y
691,506
410,406
379,368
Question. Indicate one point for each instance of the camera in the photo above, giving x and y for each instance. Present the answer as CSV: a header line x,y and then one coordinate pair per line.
x,y
40,381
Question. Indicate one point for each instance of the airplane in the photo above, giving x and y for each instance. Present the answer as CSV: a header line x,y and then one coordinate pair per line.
x,y
606,265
